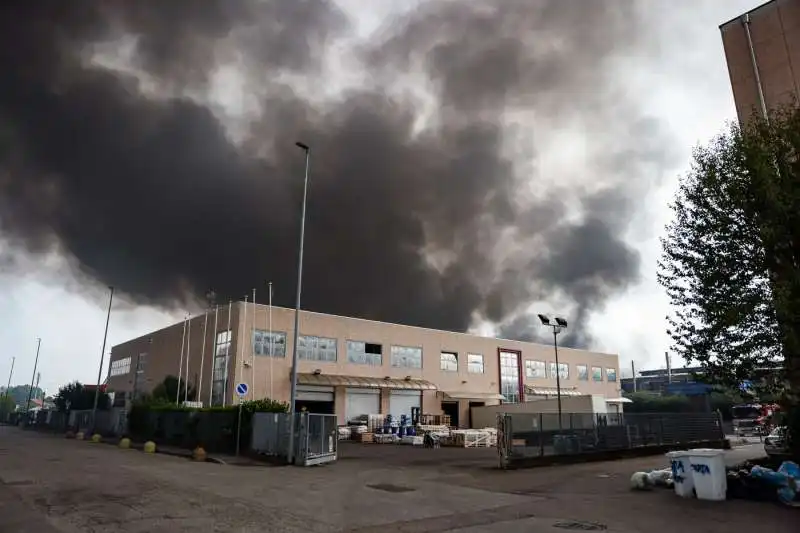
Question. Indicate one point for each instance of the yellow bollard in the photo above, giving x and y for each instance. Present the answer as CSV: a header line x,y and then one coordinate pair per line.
x,y
149,447
79,435
97,437
125,443
199,454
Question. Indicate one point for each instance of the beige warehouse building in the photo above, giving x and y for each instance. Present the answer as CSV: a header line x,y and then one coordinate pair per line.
x,y
351,367
762,49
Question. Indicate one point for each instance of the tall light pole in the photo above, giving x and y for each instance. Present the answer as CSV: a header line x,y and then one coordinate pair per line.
x,y
293,393
102,359
33,377
558,324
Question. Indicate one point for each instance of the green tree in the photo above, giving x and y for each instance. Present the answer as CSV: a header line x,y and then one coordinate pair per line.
x,y
7,404
167,390
76,397
731,257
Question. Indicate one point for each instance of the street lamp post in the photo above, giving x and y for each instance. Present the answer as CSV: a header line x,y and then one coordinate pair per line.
x,y
558,324
102,360
293,393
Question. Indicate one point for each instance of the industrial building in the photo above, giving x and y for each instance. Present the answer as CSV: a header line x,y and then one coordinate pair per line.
x,y
351,366
762,49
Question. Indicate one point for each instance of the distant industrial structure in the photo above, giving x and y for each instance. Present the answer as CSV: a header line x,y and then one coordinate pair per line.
x,y
667,381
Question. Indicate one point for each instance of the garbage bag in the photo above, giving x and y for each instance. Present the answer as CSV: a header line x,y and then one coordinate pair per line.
x,y
786,480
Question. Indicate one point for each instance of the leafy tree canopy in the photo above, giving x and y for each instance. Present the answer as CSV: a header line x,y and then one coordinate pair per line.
x,y
731,257
167,390
77,397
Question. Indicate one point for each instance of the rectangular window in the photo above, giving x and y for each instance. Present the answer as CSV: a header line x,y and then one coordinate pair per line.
x,y
583,372
406,357
535,370
364,353
597,373
611,374
509,376
475,363
563,370
120,367
448,361
313,348
141,363
222,348
269,343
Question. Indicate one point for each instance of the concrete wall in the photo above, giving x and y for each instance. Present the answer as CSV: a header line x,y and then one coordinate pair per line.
x,y
775,32
269,376
487,416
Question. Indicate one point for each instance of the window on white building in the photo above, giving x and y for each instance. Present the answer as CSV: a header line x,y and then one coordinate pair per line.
x,y
475,363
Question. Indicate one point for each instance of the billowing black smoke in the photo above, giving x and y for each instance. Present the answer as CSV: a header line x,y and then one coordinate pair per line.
x,y
432,212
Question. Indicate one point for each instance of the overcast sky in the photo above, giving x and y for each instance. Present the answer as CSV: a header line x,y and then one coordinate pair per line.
x,y
684,84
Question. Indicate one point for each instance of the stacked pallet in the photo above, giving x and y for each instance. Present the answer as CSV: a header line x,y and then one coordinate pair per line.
x,y
439,430
471,438
364,437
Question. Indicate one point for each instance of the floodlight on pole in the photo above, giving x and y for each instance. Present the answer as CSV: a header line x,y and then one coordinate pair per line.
x,y
560,325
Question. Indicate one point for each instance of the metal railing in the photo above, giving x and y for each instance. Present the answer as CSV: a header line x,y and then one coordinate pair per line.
x,y
523,436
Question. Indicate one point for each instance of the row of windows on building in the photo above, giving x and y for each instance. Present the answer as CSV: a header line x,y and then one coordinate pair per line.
x,y
324,349
538,370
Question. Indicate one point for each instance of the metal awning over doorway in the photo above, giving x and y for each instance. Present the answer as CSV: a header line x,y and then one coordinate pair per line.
x,y
364,382
551,391
477,396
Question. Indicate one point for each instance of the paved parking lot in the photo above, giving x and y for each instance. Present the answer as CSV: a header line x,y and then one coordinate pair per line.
x,y
49,484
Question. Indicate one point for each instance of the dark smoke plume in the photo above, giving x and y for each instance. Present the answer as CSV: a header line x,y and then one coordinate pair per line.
x,y
114,149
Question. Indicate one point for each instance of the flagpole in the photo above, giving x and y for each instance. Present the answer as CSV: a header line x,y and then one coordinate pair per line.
x,y
252,391
271,354
202,357
188,354
228,339
240,366
180,364
213,358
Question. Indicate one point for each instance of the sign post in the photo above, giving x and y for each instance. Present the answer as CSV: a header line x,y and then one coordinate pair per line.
x,y
241,391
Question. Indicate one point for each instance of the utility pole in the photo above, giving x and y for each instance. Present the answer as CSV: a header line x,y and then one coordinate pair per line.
x,y
10,374
35,366
102,359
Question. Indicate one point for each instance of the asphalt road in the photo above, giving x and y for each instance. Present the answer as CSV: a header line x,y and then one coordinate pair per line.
x,y
50,484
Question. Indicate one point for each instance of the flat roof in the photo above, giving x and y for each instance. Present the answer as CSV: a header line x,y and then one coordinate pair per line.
x,y
472,335
736,18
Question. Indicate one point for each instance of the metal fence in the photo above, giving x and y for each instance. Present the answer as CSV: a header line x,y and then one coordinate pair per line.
x,y
315,437
525,436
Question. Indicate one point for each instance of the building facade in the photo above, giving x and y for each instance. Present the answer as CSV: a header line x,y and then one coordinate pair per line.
x,y
350,366
762,49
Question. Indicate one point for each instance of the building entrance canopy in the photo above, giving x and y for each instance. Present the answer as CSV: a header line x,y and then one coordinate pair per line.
x,y
364,382
479,396
550,391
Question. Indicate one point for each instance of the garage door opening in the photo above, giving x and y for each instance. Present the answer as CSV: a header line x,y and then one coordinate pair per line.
x,y
451,410
315,399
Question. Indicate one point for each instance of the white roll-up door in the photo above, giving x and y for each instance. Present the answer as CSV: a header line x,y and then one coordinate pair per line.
x,y
314,393
362,402
401,402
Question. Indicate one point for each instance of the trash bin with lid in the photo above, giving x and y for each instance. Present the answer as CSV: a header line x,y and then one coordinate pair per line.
x,y
682,478
708,471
